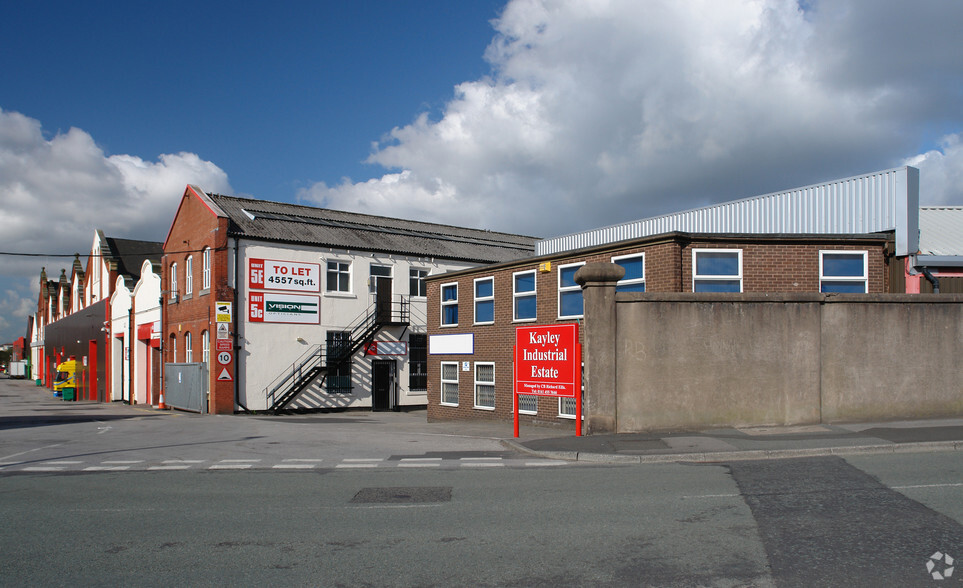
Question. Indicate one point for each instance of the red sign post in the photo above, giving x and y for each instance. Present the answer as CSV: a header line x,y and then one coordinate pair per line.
x,y
548,362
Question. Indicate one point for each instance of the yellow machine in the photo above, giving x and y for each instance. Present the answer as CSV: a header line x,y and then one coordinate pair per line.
x,y
65,385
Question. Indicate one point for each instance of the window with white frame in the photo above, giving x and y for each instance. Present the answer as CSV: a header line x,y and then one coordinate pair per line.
x,y
524,296
634,278
717,270
449,305
172,348
570,303
416,282
566,407
174,281
843,271
188,348
207,268
206,347
484,301
375,272
189,276
485,385
339,276
527,404
449,383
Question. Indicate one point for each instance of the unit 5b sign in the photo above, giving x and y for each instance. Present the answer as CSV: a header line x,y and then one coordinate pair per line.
x,y
268,307
547,360
268,274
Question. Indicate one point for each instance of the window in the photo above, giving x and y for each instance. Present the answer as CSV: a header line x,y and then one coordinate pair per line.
x,y
485,386
377,271
634,278
189,276
527,404
566,407
207,268
524,296
417,362
339,276
842,271
449,304
484,300
338,379
205,347
570,302
188,348
717,270
173,281
416,282
173,348
449,383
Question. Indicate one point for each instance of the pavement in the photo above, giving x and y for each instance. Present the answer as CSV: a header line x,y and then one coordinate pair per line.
x,y
559,442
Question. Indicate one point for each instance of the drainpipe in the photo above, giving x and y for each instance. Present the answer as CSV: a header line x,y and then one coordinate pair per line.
x,y
237,347
931,279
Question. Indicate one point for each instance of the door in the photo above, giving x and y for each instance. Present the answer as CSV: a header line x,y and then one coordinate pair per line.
x,y
382,384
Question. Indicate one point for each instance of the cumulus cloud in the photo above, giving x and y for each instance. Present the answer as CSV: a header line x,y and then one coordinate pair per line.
x,y
54,193
604,111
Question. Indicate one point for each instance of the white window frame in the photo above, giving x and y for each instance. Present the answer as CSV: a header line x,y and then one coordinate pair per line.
x,y
533,398
373,278
446,303
189,276
207,269
348,272
565,415
568,289
478,299
864,279
712,277
526,294
422,286
174,281
484,383
188,348
454,364
630,281
206,346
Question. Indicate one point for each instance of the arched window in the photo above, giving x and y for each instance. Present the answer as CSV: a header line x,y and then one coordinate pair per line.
x,y
188,349
189,276
172,349
207,268
174,281
206,347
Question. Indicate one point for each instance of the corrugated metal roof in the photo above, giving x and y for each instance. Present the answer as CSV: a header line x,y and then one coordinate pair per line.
x,y
293,223
880,201
941,230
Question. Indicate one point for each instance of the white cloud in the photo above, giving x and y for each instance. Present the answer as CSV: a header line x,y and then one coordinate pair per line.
x,y
54,193
941,172
599,112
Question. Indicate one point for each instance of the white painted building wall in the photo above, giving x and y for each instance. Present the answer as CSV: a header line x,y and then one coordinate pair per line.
x,y
268,349
120,304
147,311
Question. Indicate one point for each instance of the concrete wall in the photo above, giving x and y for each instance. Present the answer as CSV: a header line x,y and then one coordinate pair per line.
x,y
707,360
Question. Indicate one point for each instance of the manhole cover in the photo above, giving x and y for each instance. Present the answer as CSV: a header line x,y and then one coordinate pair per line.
x,y
403,495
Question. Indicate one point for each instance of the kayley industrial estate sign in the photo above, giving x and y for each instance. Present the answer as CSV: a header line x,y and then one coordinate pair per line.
x,y
548,362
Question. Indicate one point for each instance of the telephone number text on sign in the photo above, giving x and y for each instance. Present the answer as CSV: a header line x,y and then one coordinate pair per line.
x,y
269,274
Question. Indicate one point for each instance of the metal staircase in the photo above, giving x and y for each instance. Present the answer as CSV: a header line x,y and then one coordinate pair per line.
x,y
321,359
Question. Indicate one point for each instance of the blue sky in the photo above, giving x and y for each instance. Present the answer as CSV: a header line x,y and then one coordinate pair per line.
x,y
540,117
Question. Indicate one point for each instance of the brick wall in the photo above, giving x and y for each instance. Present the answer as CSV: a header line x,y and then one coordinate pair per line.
x,y
195,228
769,264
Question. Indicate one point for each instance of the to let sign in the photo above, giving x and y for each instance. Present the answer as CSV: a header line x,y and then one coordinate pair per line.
x,y
269,274
547,360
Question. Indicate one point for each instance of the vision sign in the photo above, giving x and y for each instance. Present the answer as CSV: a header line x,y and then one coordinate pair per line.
x,y
268,307
548,362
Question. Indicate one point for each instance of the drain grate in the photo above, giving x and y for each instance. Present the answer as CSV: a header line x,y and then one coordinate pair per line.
x,y
403,495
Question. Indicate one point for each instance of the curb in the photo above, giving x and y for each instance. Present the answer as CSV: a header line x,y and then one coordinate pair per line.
x,y
751,454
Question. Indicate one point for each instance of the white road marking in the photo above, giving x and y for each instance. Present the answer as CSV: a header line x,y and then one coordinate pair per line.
x,y
293,466
106,468
170,467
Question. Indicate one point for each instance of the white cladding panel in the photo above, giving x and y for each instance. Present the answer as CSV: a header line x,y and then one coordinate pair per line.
x,y
881,201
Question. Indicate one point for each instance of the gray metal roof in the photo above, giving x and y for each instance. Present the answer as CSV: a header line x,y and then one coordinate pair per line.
x,y
292,223
941,230
880,201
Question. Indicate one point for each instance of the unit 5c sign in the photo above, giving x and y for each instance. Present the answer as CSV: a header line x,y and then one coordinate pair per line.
x,y
547,360
269,307
269,274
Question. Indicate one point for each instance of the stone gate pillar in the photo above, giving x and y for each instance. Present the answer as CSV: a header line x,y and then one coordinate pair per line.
x,y
599,340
